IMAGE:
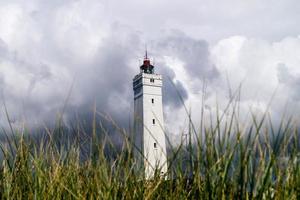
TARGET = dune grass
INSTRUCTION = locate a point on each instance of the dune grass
(223, 160)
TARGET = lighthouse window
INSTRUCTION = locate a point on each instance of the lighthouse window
(153, 121)
(154, 144)
(152, 100)
(152, 80)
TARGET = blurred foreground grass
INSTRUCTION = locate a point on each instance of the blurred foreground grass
(224, 161)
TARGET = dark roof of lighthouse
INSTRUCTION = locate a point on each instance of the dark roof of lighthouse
(147, 67)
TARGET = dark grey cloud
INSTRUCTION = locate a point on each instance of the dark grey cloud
(192, 52)
(107, 80)
(173, 89)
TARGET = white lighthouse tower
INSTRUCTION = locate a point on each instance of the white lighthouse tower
(149, 122)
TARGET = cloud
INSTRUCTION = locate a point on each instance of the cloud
(93, 48)
(291, 81)
(39, 70)
(263, 68)
(213, 20)
(173, 90)
(193, 53)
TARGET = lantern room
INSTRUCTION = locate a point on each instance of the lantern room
(147, 67)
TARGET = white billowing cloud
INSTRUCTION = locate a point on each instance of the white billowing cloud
(263, 68)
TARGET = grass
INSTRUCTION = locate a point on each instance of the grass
(224, 160)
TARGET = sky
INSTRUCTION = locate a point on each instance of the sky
(66, 56)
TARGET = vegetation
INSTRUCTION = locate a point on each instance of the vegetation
(225, 160)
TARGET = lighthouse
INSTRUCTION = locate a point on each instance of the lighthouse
(149, 136)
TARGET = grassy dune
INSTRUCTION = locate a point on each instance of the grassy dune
(226, 162)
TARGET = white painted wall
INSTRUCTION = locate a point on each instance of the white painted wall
(149, 137)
